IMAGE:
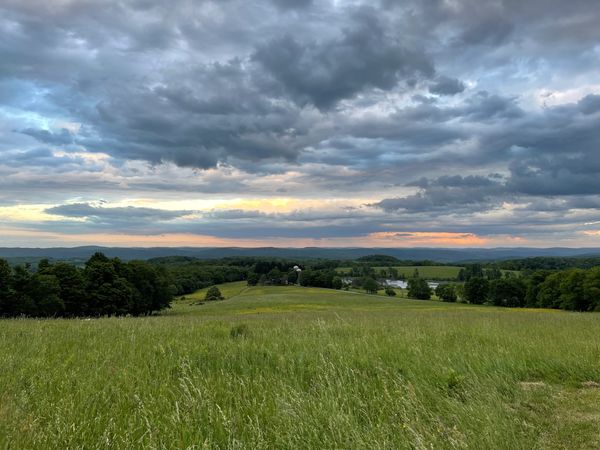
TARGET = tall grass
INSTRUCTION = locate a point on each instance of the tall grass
(286, 367)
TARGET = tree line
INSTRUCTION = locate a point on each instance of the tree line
(550, 263)
(188, 274)
(106, 286)
(282, 275)
(572, 289)
(103, 287)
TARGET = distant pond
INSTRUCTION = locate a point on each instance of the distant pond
(400, 284)
(403, 284)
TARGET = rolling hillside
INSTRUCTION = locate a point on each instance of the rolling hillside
(289, 367)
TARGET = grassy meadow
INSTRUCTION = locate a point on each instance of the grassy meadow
(290, 367)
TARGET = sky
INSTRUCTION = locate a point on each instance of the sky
(292, 123)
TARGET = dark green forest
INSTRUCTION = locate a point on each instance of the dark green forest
(103, 287)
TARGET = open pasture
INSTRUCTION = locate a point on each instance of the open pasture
(290, 367)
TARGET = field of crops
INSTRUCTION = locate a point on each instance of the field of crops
(290, 367)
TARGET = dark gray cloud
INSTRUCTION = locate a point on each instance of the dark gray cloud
(234, 223)
(228, 98)
(364, 56)
(450, 194)
(447, 86)
(292, 4)
(485, 106)
(41, 157)
(457, 181)
(590, 104)
(127, 214)
(63, 137)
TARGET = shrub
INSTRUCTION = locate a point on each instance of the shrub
(337, 283)
(370, 285)
(213, 293)
(455, 384)
(390, 292)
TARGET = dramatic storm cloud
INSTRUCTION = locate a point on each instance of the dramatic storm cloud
(299, 122)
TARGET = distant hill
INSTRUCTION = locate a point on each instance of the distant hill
(443, 255)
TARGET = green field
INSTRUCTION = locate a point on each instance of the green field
(290, 367)
(228, 290)
(428, 272)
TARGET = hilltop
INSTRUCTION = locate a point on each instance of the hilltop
(443, 255)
